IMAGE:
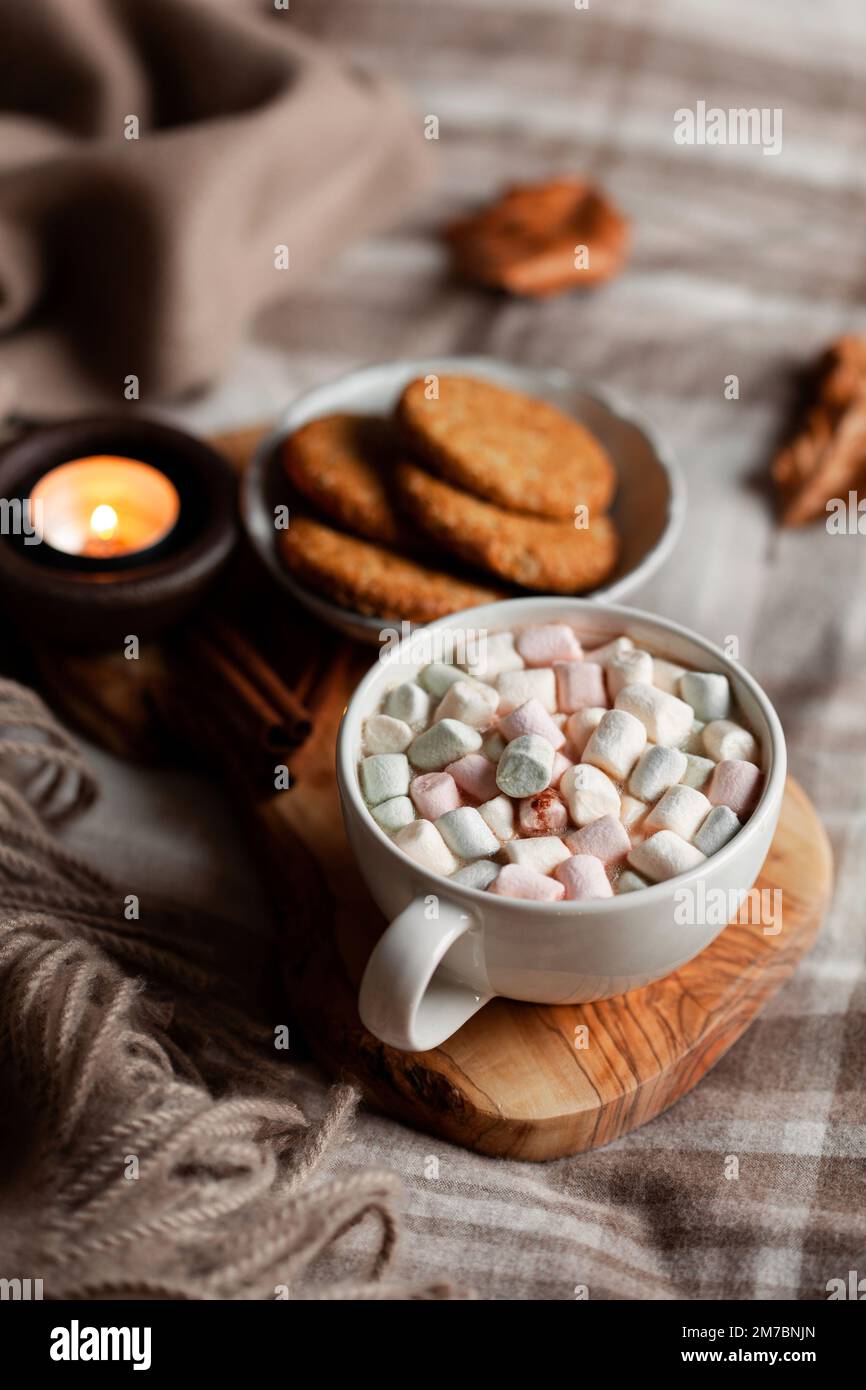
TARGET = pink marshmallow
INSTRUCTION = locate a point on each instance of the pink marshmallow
(736, 784)
(514, 882)
(606, 838)
(548, 642)
(583, 876)
(531, 718)
(579, 684)
(542, 814)
(475, 775)
(434, 793)
(561, 764)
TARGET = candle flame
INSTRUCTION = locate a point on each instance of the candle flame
(103, 521)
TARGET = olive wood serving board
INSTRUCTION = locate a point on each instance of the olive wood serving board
(515, 1080)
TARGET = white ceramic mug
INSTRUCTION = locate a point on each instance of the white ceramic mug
(450, 949)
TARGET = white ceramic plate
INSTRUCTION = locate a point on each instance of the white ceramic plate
(649, 507)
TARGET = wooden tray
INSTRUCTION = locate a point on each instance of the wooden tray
(512, 1081)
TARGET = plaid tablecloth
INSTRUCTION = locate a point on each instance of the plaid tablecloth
(743, 264)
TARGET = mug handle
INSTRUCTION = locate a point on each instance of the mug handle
(404, 999)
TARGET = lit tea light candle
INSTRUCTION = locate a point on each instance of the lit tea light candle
(104, 507)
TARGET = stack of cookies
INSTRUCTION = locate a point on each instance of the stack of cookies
(471, 493)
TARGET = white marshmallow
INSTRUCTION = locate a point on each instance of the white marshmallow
(667, 675)
(629, 882)
(443, 743)
(470, 702)
(628, 668)
(493, 746)
(720, 826)
(526, 766)
(698, 771)
(478, 875)
(681, 809)
(495, 654)
(589, 792)
(516, 687)
(667, 720)
(499, 815)
(541, 853)
(581, 724)
(724, 740)
(615, 648)
(423, 843)
(466, 834)
(656, 769)
(384, 775)
(393, 814)
(384, 734)
(708, 693)
(616, 744)
(664, 856)
(409, 703)
(694, 739)
(437, 677)
(631, 813)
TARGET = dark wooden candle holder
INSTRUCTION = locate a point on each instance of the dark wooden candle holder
(82, 602)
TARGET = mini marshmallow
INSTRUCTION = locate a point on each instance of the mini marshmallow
(698, 771)
(581, 724)
(664, 856)
(736, 783)
(437, 677)
(515, 881)
(630, 882)
(611, 650)
(616, 744)
(708, 694)
(393, 814)
(724, 740)
(583, 876)
(475, 775)
(434, 793)
(493, 746)
(478, 875)
(656, 769)
(443, 743)
(631, 812)
(606, 839)
(561, 764)
(546, 643)
(423, 843)
(589, 793)
(541, 854)
(516, 687)
(579, 685)
(469, 701)
(666, 718)
(384, 775)
(542, 814)
(409, 703)
(384, 734)
(667, 675)
(634, 667)
(467, 834)
(525, 766)
(720, 826)
(681, 809)
(531, 718)
(694, 739)
(496, 654)
(499, 815)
